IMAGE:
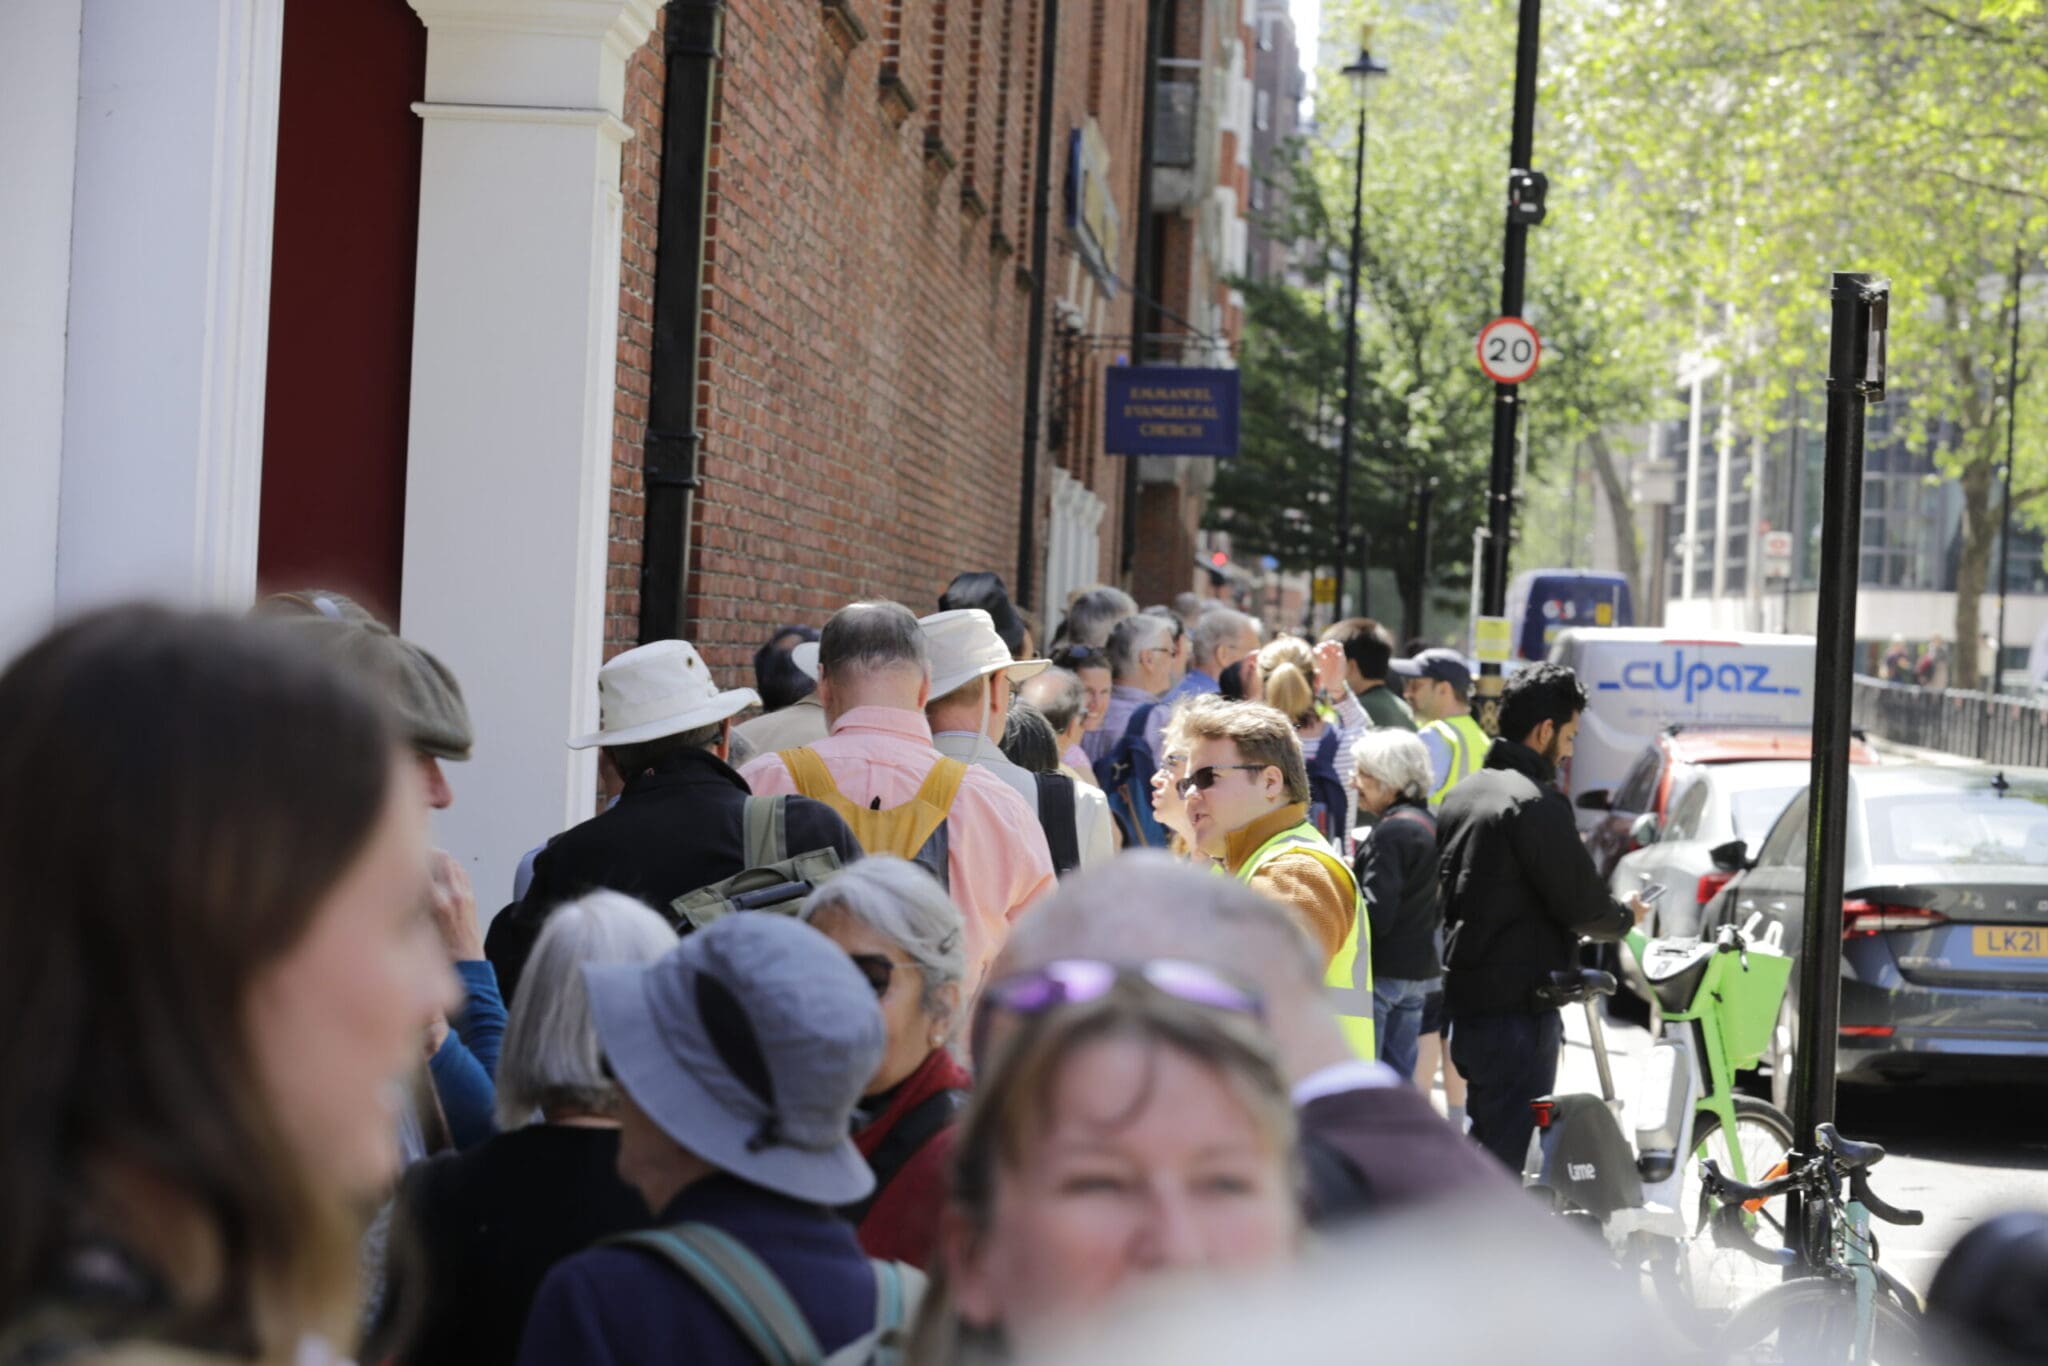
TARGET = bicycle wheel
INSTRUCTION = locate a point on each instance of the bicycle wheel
(1803, 1322)
(1717, 1278)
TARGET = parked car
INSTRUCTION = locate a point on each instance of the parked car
(1944, 922)
(1668, 768)
(1709, 804)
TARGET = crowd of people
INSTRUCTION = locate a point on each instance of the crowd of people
(941, 1005)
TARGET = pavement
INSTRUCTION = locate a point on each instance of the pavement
(1958, 1153)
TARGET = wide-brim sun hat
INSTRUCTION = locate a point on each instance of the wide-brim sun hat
(662, 688)
(752, 993)
(964, 646)
(804, 655)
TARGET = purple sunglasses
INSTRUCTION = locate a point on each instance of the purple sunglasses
(1076, 981)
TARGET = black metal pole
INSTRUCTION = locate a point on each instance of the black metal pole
(1425, 500)
(1795, 515)
(669, 450)
(1145, 322)
(1034, 344)
(1500, 507)
(1855, 376)
(1343, 557)
(2012, 408)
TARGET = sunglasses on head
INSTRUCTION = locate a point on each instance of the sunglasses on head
(1204, 778)
(1077, 981)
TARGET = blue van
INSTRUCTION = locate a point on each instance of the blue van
(1542, 602)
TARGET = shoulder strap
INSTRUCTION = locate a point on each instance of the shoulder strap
(737, 1281)
(1056, 815)
(901, 1143)
(1414, 815)
(1136, 728)
(813, 779)
(1327, 743)
(767, 832)
(942, 784)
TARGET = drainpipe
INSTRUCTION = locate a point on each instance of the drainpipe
(1034, 364)
(692, 39)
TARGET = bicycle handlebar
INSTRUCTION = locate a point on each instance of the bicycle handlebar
(1733, 1192)
(1859, 1188)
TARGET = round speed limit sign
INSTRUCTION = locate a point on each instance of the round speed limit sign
(1509, 350)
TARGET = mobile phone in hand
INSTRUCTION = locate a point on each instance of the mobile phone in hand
(1651, 893)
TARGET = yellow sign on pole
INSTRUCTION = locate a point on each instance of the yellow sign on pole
(1326, 588)
(1492, 641)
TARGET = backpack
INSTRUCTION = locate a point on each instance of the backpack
(915, 830)
(758, 1304)
(901, 1143)
(1056, 814)
(1328, 807)
(773, 879)
(1125, 775)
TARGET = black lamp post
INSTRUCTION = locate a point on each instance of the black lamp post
(1358, 73)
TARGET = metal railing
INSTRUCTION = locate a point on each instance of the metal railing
(1176, 111)
(1996, 729)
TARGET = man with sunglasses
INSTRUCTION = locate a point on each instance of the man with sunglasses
(1247, 798)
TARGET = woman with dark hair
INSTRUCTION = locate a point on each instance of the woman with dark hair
(214, 861)
(979, 588)
(1029, 741)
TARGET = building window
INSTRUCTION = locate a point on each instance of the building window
(1264, 117)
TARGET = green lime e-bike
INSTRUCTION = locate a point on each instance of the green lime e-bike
(1634, 1169)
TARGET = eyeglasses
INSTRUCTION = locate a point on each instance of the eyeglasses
(1077, 981)
(1204, 778)
(878, 968)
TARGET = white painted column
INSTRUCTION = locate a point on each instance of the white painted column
(1689, 550)
(39, 116)
(1724, 461)
(515, 341)
(169, 310)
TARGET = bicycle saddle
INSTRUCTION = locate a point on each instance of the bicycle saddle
(1581, 984)
(1852, 1153)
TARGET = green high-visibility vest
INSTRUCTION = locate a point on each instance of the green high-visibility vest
(1468, 745)
(1348, 980)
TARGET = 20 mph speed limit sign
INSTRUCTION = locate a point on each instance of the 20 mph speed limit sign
(1509, 350)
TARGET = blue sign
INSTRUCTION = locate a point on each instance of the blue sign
(1170, 410)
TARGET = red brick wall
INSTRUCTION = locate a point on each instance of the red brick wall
(640, 187)
(864, 337)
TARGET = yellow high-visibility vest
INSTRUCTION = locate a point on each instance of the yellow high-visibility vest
(1468, 743)
(1348, 980)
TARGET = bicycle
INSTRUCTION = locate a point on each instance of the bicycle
(1845, 1307)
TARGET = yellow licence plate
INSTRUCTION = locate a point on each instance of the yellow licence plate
(2009, 941)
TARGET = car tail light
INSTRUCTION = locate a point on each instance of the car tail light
(1711, 884)
(1876, 917)
(1867, 1031)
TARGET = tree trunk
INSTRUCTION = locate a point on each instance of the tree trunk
(1623, 513)
(1980, 534)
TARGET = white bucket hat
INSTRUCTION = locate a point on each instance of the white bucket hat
(964, 646)
(659, 689)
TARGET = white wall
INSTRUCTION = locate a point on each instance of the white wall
(1880, 613)
(38, 134)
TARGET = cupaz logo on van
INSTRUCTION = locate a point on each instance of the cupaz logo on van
(1674, 674)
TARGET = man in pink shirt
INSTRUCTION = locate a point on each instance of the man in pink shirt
(874, 678)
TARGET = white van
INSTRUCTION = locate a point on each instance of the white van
(1640, 679)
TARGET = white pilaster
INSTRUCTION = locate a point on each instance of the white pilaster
(39, 116)
(515, 339)
(170, 300)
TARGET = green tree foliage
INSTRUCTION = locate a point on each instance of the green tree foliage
(1435, 196)
(1762, 146)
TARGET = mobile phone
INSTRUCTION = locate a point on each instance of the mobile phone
(1651, 893)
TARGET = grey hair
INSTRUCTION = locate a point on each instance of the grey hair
(1059, 695)
(906, 906)
(1395, 757)
(870, 636)
(1147, 904)
(550, 1054)
(1093, 614)
(1212, 629)
(1133, 636)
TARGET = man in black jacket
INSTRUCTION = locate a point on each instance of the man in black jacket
(679, 823)
(1520, 891)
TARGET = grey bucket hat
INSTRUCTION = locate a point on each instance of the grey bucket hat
(749, 1044)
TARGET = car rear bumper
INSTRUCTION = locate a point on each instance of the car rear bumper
(1942, 1032)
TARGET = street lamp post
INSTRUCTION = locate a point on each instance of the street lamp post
(1358, 73)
